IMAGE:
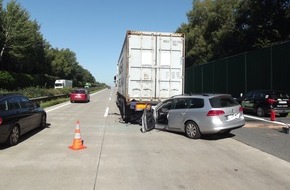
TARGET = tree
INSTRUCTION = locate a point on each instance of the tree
(220, 28)
(211, 25)
(64, 65)
(22, 46)
(62, 62)
(262, 22)
(2, 41)
(35, 52)
(23, 50)
(88, 77)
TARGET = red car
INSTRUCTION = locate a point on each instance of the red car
(80, 95)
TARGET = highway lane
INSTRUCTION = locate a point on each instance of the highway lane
(265, 135)
(119, 156)
(44, 161)
(278, 120)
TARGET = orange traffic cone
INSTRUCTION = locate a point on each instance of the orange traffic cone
(77, 142)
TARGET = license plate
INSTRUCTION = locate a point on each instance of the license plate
(282, 102)
(232, 117)
(282, 106)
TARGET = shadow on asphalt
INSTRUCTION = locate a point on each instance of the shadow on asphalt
(209, 137)
(214, 137)
(26, 136)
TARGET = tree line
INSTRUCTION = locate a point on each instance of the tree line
(27, 59)
(215, 29)
(222, 28)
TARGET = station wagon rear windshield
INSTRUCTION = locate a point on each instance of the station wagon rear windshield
(277, 95)
(223, 101)
(79, 91)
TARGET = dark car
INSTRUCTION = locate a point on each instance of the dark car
(261, 102)
(18, 115)
(80, 95)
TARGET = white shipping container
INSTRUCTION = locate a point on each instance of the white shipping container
(151, 66)
(150, 69)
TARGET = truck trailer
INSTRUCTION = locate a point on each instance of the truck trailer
(150, 69)
(63, 83)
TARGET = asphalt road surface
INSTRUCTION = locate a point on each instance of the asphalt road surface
(266, 136)
(119, 156)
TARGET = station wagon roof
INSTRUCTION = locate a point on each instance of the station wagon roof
(9, 94)
(209, 95)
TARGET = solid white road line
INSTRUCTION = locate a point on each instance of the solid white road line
(106, 112)
(261, 119)
(107, 109)
(58, 107)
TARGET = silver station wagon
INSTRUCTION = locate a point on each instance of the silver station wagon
(195, 115)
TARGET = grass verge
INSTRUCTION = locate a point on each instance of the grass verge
(53, 102)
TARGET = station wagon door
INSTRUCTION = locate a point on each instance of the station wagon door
(177, 114)
(148, 120)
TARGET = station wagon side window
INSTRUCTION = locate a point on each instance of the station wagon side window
(181, 103)
(3, 105)
(195, 103)
(255, 95)
(259, 95)
(26, 103)
(13, 103)
(167, 105)
(249, 95)
(262, 95)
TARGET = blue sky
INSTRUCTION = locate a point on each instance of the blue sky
(95, 30)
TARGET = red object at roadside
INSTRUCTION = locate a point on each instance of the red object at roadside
(273, 116)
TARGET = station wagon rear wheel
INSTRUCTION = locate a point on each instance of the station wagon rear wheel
(14, 136)
(192, 130)
(260, 112)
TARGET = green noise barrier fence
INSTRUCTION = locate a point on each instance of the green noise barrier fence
(266, 68)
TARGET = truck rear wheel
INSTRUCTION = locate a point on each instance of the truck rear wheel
(123, 112)
(126, 117)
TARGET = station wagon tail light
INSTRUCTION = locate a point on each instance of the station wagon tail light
(215, 112)
(1, 120)
(271, 101)
(241, 109)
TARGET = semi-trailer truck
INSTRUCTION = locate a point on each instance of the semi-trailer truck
(63, 83)
(150, 69)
